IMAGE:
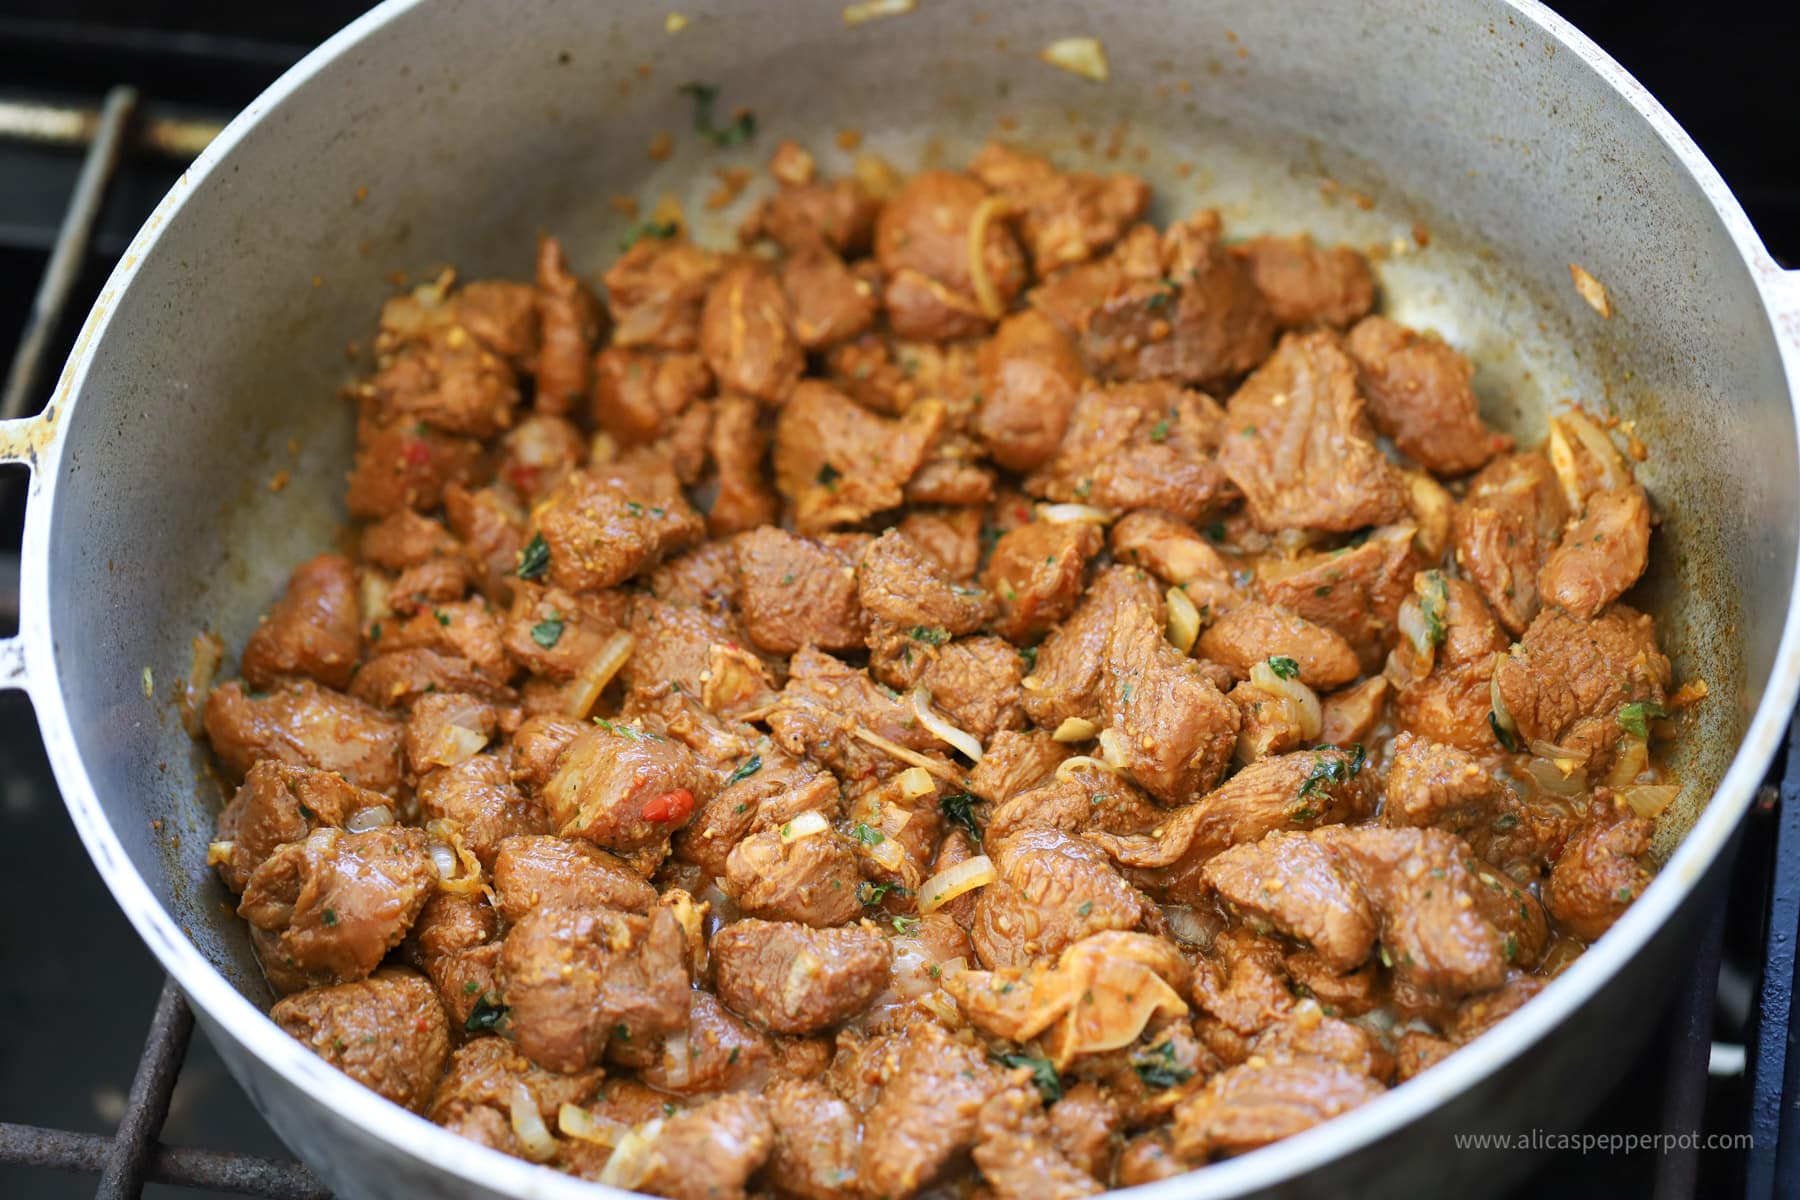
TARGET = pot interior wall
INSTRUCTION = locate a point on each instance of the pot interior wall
(449, 137)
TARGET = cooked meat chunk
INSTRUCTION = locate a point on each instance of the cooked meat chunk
(1139, 445)
(445, 380)
(1600, 555)
(1419, 395)
(1417, 1052)
(1015, 760)
(1051, 891)
(333, 905)
(405, 539)
(279, 803)
(573, 978)
(717, 1052)
(1147, 1158)
(1254, 633)
(816, 1137)
(926, 1115)
(1174, 552)
(453, 943)
(898, 582)
(640, 396)
(839, 213)
(624, 788)
(1253, 1104)
(655, 292)
(1035, 575)
(765, 790)
(492, 528)
(746, 334)
(532, 872)
(1306, 284)
(1504, 528)
(456, 629)
(480, 797)
(1285, 791)
(475, 1096)
(829, 301)
(709, 1152)
(1478, 1014)
(1030, 378)
(793, 978)
(1241, 980)
(745, 497)
(795, 591)
(922, 241)
(1350, 715)
(1445, 788)
(387, 1032)
(304, 726)
(1291, 882)
(1271, 723)
(1178, 306)
(837, 463)
(1355, 591)
(406, 465)
(827, 703)
(537, 452)
(1567, 680)
(398, 678)
(1017, 1153)
(572, 321)
(602, 529)
(975, 681)
(950, 536)
(1063, 217)
(1452, 702)
(1084, 1124)
(1600, 873)
(1450, 927)
(1299, 445)
(315, 629)
(810, 879)
(438, 581)
(555, 633)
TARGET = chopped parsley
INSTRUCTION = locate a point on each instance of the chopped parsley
(959, 809)
(330, 917)
(731, 1059)
(741, 129)
(1084, 908)
(1505, 821)
(622, 1032)
(485, 1017)
(548, 632)
(1512, 947)
(1167, 290)
(870, 894)
(1029, 655)
(1217, 531)
(745, 770)
(787, 580)
(1506, 740)
(471, 987)
(1283, 666)
(1043, 1074)
(1159, 432)
(829, 475)
(1433, 605)
(1159, 1070)
(1634, 718)
(443, 618)
(647, 229)
(1330, 769)
(868, 835)
(534, 559)
(905, 925)
(628, 731)
(931, 635)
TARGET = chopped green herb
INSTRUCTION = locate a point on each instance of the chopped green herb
(1512, 947)
(1322, 590)
(1159, 1070)
(634, 508)
(787, 829)
(1168, 289)
(375, 632)
(1248, 431)
(958, 809)
(867, 834)
(668, 1108)
(1434, 605)
(741, 129)
(731, 1059)
(622, 1032)
(1634, 718)
(647, 229)
(1329, 768)
(1029, 654)
(1159, 432)
(443, 618)
(931, 635)
(1217, 531)
(1625, 895)
(1084, 908)
(330, 917)
(740, 807)
(745, 770)
(471, 987)
(337, 1044)
(534, 559)
(547, 633)
(905, 925)
(628, 731)
(1506, 740)
(871, 894)
(307, 813)
(1505, 821)
(1043, 1074)
(486, 1016)
(1387, 960)
(1283, 666)
(829, 475)
(1125, 694)
(788, 579)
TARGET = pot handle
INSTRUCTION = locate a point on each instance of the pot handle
(21, 440)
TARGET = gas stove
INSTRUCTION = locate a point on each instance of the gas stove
(104, 102)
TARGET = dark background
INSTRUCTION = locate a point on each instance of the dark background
(76, 988)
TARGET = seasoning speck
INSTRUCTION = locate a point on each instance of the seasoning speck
(1083, 56)
(1592, 290)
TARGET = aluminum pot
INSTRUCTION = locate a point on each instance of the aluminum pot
(452, 130)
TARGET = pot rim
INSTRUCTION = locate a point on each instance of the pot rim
(222, 1004)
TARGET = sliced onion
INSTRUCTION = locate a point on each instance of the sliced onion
(1634, 756)
(676, 1058)
(1648, 800)
(373, 817)
(218, 853)
(630, 1160)
(942, 1007)
(584, 690)
(807, 824)
(1113, 749)
(1553, 779)
(1069, 766)
(373, 590)
(208, 650)
(961, 740)
(1193, 927)
(1300, 701)
(1497, 703)
(877, 175)
(453, 744)
(914, 782)
(985, 295)
(574, 1121)
(1075, 514)
(1412, 624)
(449, 856)
(1613, 470)
(870, 10)
(528, 1126)
(1183, 625)
(952, 882)
(1075, 729)
(1083, 56)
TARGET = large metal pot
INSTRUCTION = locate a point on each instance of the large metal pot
(453, 130)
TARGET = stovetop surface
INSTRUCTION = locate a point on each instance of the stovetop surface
(76, 985)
